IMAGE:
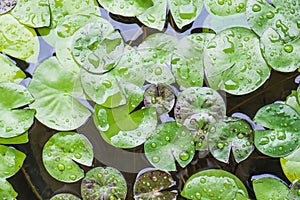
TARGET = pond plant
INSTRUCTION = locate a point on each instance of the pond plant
(166, 87)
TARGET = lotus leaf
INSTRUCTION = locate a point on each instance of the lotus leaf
(65, 196)
(9, 71)
(6, 190)
(226, 7)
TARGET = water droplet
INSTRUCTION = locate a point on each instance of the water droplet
(270, 15)
(99, 175)
(167, 138)
(78, 155)
(61, 167)
(151, 18)
(184, 156)
(202, 180)
(220, 145)
(198, 195)
(248, 143)
(240, 136)
(264, 141)
(8, 129)
(122, 6)
(107, 83)
(256, 8)
(154, 178)
(288, 48)
(155, 159)
(221, 2)
(158, 71)
(230, 85)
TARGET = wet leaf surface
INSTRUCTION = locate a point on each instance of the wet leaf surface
(103, 183)
(293, 100)
(6, 190)
(291, 165)
(61, 152)
(21, 139)
(9, 71)
(226, 7)
(65, 196)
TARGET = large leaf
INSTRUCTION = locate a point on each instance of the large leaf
(187, 60)
(226, 7)
(53, 87)
(7, 5)
(33, 13)
(153, 184)
(64, 196)
(103, 183)
(282, 16)
(231, 135)
(13, 121)
(171, 142)
(18, 40)
(11, 161)
(9, 71)
(233, 62)
(282, 136)
(61, 152)
(6, 190)
(214, 184)
(291, 165)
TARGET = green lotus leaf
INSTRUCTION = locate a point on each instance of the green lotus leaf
(7, 5)
(21, 139)
(187, 60)
(105, 183)
(233, 62)
(61, 152)
(282, 136)
(6, 190)
(65, 196)
(294, 190)
(33, 13)
(282, 16)
(18, 40)
(270, 188)
(9, 71)
(234, 135)
(160, 97)
(53, 86)
(152, 184)
(291, 165)
(13, 121)
(225, 7)
(199, 109)
(185, 12)
(97, 48)
(156, 51)
(130, 8)
(123, 128)
(171, 142)
(155, 16)
(293, 100)
(214, 184)
(11, 161)
(281, 56)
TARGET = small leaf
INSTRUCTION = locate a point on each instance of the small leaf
(11, 161)
(293, 100)
(214, 184)
(6, 190)
(61, 152)
(170, 142)
(103, 183)
(21, 139)
(291, 165)
(152, 184)
(7, 5)
(282, 136)
(9, 71)
(226, 7)
(64, 196)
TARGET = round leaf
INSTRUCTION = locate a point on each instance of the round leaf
(282, 136)
(282, 16)
(170, 142)
(13, 121)
(6, 190)
(53, 87)
(233, 135)
(11, 161)
(21, 139)
(213, 184)
(161, 97)
(295, 190)
(226, 7)
(291, 165)
(103, 183)
(187, 60)
(9, 71)
(97, 48)
(7, 5)
(233, 62)
(61, 152)
(65, 196)
(152, 184)
(18, 40)
(281, 56)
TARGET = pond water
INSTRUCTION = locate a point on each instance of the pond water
(33, 182)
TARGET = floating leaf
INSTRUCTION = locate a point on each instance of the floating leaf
(294, 190)
(53, 87)
(9, 71)
(226, 7)
(281, 56)
(233, 62)
(282, 136)
(185, 12)
(33, 13)
(65, 196)
(6, 190)
(21, 139)
(11, 161)
(18, 40)
(187, 60)
(13, 121)
(7, 5)
(61, 152)
(291, 165)
(160, 97)
(152, 184)
(231, 135)
(170, 142)
(103, 183)
(282, 16)
(214, 184)
(97, 48)
(293, 100)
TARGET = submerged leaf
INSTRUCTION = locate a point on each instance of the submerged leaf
(225, 7)
(9, 71)
(6, 190)
(64, 196)
(61, 152)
